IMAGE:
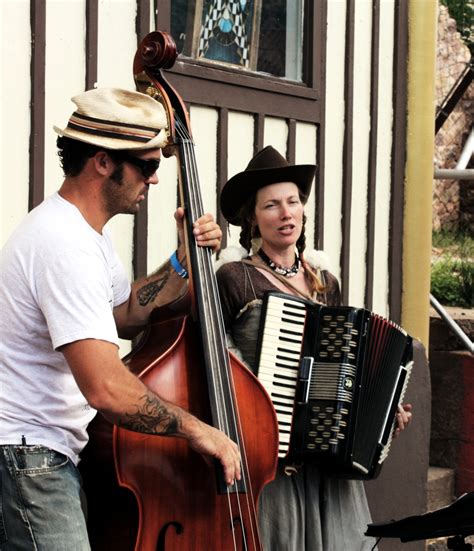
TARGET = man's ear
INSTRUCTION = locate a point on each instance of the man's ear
(103, 163)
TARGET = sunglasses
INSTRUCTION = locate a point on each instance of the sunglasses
(147, 167)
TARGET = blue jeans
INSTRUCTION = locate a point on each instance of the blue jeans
(40, 504)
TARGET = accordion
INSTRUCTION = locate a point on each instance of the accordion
(336, 376)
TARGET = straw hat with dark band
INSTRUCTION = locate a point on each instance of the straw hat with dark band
(267, 167)
(117, 119)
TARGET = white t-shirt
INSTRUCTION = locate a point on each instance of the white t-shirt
(59, 282)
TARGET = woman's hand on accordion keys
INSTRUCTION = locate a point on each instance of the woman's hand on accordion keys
(404, 416)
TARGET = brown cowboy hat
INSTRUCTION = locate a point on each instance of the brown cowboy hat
(267, 167)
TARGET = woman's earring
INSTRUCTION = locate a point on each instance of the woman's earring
(255, 239)
(256, 244)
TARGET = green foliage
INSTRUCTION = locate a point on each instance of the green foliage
(452, 272)
(452, 283)
(453, 241)
(463, 12)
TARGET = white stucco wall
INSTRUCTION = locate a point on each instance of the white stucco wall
(334, 95)
(361, 132)
(64, 76)
(384, 166)
(333, 163)
(15, 94)
(240, 151)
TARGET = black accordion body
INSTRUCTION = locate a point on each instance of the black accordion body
(336, 376)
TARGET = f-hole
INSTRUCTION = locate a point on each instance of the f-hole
(160, 544)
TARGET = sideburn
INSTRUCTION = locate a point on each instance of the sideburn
(117, 175)
(111, 192)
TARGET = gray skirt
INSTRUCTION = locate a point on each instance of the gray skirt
(310, 511)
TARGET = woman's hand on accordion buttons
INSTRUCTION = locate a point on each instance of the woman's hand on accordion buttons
(404, 416)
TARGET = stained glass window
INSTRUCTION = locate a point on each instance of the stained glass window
(258, 35)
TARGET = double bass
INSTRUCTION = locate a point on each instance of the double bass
(180, 502)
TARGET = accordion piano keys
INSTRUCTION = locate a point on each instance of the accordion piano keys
(280, 352)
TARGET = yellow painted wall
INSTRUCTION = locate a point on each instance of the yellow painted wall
(419, 168)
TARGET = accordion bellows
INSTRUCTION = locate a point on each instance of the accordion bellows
(336, 376)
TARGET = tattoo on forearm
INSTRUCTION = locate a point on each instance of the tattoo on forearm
(148, 292)
(152, 417)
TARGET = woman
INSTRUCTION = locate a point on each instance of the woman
(305, 510)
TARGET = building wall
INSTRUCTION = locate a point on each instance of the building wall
(346, 149)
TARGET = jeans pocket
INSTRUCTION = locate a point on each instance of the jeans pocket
(35, 460)
(3, 530)
(40, 500)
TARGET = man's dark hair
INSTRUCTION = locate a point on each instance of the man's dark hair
(74, 154)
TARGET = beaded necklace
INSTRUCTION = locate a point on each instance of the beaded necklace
(282, 270)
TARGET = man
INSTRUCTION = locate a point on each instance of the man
(65, 301)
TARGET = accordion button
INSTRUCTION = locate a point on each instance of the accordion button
(348, 383)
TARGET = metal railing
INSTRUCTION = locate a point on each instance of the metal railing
(466, 341)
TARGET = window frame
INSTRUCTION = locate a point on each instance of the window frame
(243, 90)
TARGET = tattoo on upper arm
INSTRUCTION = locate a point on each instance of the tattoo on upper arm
(147, 293)
(152, 417)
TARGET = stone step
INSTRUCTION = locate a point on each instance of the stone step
(441, 544)
(440, 487)
(440, 493)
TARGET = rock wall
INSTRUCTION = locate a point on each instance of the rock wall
(452, 200)
(452, 387)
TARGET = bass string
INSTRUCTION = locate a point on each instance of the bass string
(202, 275)
(210, 279)
(215, 322)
